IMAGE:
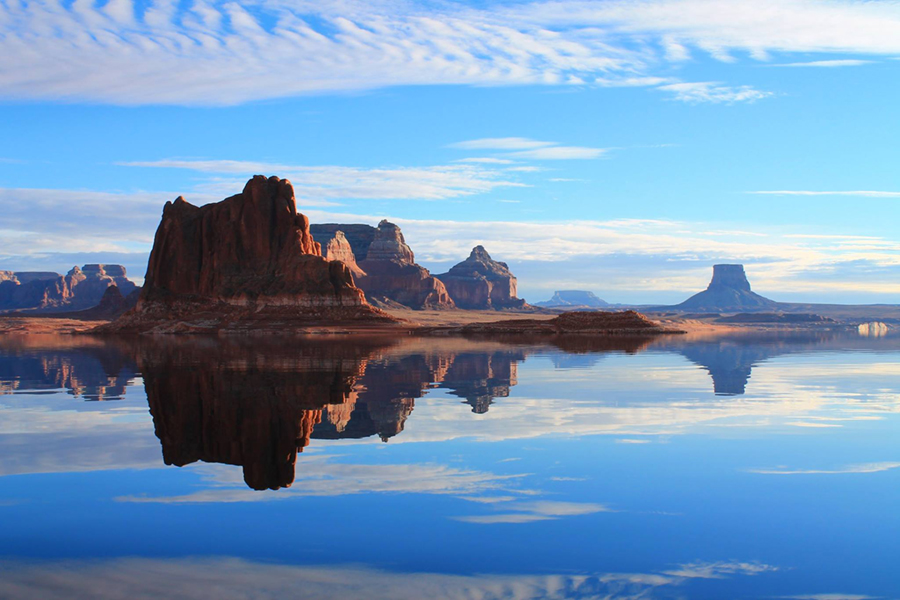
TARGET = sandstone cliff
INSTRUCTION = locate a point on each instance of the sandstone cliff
(338, 248)
(480, 282)
(247, 262)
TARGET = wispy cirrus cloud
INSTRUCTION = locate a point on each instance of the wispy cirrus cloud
(320, 185)
(848, 62)
(218, 53)
(713, 92)
(862, 193)
(876, 467)
(525, 148)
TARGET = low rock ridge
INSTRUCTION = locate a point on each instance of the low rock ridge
(479, 282)
(247, 262)
(626, 322)
(46, 291)
(572, 298)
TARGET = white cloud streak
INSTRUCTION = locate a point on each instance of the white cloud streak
(876, 467)
(212, 53)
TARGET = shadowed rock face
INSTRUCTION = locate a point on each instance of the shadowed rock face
(729, 290)
(480, 282)
(80, 289)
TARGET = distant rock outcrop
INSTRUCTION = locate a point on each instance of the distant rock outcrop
(479, 282)
(729, 291)
(338, 248)
(358, 236)
(392, 273)
(241, 263)
(388, 272)
(573, 298)
(42, 291)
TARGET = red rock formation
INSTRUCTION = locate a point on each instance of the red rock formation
(481, 283)
(247, 259)
(392, 275)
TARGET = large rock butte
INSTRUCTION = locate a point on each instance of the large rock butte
(81, 288)
(479, 282)
(389, 273)
(728, 291)
(241, 263)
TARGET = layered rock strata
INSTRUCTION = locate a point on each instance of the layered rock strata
(247, 262)
(479, 282)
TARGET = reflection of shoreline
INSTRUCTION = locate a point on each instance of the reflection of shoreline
(257, 405)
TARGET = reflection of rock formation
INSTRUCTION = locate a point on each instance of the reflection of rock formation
(245, 405)
(481, 377)
(91, 372)
(729, 360)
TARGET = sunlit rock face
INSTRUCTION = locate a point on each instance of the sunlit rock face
(729, 290)
(338, 248)
(479, 282)
(81, 288)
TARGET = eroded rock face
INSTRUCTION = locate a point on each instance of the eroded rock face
(479, 282)
(728, 291)
(359, 236)
(393, 275)
(250, 257)
(80, 289)
(338, 248)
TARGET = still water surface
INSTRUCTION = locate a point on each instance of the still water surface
(751, 466)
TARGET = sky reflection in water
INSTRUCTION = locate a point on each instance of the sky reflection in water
(751, 466)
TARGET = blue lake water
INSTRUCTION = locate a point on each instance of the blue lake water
(750, 466)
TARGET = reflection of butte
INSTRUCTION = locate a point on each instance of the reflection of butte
(253, 407)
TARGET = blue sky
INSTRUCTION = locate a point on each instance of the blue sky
(620, 147)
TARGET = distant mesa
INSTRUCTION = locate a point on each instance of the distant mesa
(626, 322)
(479, 282)
(386, 267)
(572, 299)
(729, 291)
(247, 262)
(47, 292)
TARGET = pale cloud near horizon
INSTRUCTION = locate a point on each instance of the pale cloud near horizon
(525, 148)
(827, 63)
(212, 53)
